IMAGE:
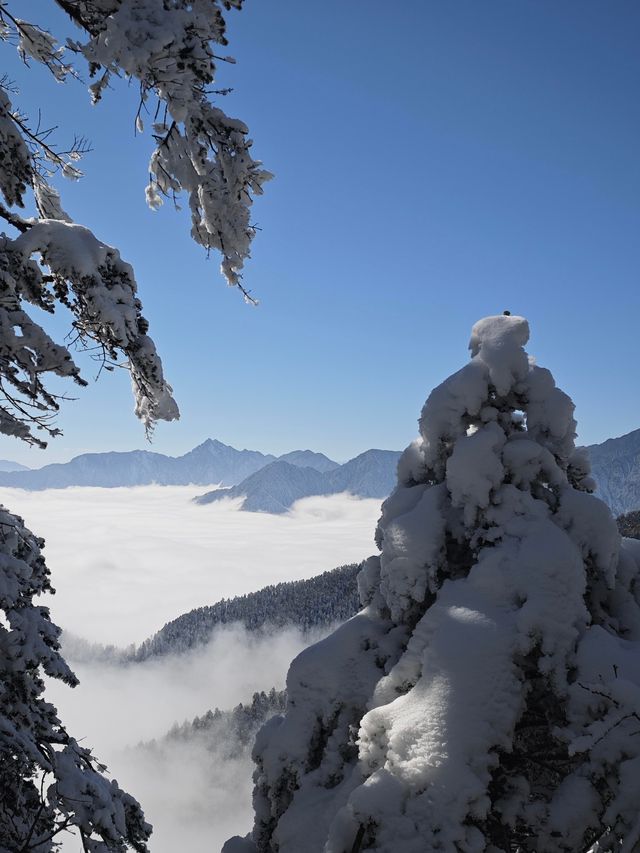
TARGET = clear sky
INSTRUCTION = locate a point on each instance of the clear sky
(435, 162)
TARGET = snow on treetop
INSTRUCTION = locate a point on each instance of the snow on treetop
(498, 342)
(499, 377)
(499, 332)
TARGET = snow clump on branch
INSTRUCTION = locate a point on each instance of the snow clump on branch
(487, 697)
(167, 49)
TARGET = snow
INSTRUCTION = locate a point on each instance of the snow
(412, 547)
(498, 343)
(501, 621)
(71, 249)
(475, 469)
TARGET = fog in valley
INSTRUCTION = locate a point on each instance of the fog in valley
(124, 562)
(195, 798)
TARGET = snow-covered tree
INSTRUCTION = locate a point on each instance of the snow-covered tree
(48, 782)
(487, 697)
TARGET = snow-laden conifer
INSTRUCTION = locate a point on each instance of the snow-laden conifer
(48, 781)
(487, 697)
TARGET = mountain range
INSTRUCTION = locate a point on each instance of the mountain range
(209, 463)
(267, 483)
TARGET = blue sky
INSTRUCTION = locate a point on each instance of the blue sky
(435, 162)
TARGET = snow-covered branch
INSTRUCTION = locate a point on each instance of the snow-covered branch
(167, 48)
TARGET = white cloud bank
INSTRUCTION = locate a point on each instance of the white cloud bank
(125, 561)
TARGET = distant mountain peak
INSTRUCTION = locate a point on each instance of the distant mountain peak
(211, 443)
(309, 459)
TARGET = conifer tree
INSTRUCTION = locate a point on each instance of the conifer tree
(487, 697)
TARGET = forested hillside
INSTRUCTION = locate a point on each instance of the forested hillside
(327, 598)
(227, 733)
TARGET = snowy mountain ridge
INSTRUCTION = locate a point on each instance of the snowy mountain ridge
(276, 487)
(615, 465)
(7, 465)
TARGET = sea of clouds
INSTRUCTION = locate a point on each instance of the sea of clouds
(124, 562)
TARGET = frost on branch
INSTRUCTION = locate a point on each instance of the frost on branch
(48, 782)
(487, 697)
(167, 48)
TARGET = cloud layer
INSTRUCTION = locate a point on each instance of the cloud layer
(126, 561)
